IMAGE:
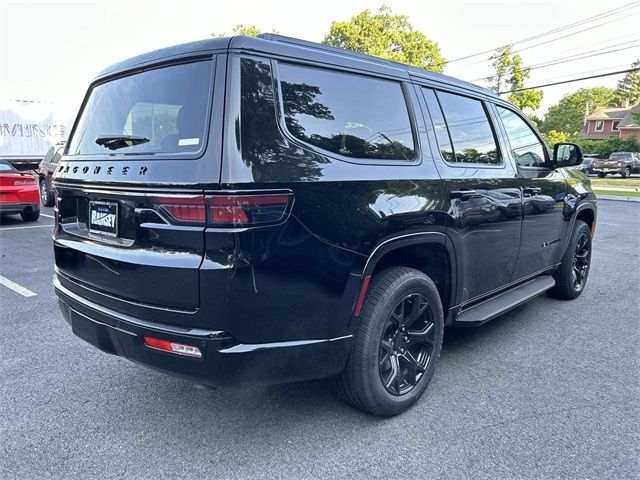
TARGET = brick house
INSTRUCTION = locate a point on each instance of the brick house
(616, 121)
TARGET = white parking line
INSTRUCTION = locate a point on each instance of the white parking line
(2, 229)
(25, 292)
(47, 215)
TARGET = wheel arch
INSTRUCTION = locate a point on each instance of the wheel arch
(588, 215)
(429, 252)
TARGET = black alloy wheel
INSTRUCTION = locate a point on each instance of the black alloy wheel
(581, 260)
(396, 343)
(572, 273)
(406, 345)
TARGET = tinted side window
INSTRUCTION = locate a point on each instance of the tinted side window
(526, 148)
(352, 115)
(259, 130)
(439, 125)
(469, 128)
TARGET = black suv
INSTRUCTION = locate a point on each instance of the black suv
(271, 210)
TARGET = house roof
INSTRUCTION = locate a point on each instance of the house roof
(628, 121)
(615, 113)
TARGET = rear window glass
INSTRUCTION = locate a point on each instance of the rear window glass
(619, 156)
(157, 111)
(352, 115)
(6, 168)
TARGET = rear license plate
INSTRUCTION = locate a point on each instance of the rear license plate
(103, 218)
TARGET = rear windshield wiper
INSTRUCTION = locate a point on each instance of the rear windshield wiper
(114, 142)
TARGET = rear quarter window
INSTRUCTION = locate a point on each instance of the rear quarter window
(351, 115)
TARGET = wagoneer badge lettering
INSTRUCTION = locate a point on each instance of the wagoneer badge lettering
(98, 168)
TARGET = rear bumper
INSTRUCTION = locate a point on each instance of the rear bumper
(607, 169)
(224, 362)
(13, 208)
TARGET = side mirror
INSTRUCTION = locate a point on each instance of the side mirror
(566, 155)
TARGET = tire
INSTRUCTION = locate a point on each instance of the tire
(601, 174)
(46, 196)
(30, 216)
(397, 296)
(626, 172)
(572, 274)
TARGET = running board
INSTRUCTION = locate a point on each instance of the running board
(485, 311)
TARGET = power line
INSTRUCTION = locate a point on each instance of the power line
(587, 54)
(550, 41)
(573, 80)
(572, 58)
(603, 69)
(604, 42)
(555, 30)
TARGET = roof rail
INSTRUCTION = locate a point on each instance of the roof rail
(329, 48)
(372, 58)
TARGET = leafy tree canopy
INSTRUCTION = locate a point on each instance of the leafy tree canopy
(554, 137)
(386, 35)
(568, 114)
(247, 30)
(628, 89)
(511, 75)
(604, 148)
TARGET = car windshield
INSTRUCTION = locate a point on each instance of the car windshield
(162, 110)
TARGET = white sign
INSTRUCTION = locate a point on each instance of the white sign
(28, 129)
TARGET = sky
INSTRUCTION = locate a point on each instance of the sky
(50, 50)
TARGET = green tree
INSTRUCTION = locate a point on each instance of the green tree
(568, 114)
(511, 75)
(554, 137)
(628, 89)
(247, 30)
(536, 120)
(386, 35)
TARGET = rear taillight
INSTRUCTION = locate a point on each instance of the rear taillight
(247, 210)
(191, 209)
(229, 210)
(172, 347)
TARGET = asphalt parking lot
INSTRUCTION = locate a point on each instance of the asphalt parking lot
(550, 390)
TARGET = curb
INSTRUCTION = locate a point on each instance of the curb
(617, 198)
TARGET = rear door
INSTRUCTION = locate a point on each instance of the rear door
(545, 191)
(130, 210)
(481, 188)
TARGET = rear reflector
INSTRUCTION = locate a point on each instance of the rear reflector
(172, 347)
(361, 296)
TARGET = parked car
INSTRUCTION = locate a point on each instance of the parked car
(18, 193)
(45, 173)
(621, 163)
(587, 164)
(265, 210)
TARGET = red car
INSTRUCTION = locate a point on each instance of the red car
(19, 193)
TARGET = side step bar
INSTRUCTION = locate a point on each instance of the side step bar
(488, 309)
